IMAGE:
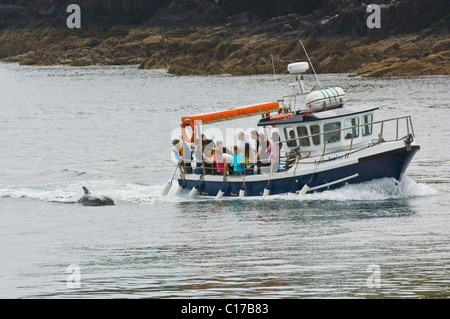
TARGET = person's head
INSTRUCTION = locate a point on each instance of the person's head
(291, 134)
(241, 136)
(175, 142)
(261, 137)
(275, 137)
(254, 134)
(236, 149)
(219, 144)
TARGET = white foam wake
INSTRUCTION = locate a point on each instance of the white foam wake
(379, 189)
(70, 192)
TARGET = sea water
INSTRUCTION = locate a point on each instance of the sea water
(110, 129)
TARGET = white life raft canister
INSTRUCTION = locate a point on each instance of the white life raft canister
(327, 99)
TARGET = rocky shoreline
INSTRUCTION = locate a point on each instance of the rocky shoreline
(393, 56)
(203, 52)
(238, 47)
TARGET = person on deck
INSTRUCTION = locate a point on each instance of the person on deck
(207, 154)
(241, 141)
(197, 157)
(238, 162)
(182, 154)
(261, 157)
(274, 150)
(219, 158)
(248, 164)
(293, 142)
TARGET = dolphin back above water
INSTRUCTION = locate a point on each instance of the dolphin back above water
(89, 199)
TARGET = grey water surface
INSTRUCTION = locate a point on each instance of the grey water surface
(110, 129)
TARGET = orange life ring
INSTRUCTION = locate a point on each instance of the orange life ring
(183, 131)
(281, 116)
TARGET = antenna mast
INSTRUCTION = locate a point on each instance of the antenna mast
(307, 56)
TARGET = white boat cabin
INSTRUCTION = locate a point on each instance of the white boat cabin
(303, 131)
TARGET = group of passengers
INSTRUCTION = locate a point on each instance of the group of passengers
(208, 157)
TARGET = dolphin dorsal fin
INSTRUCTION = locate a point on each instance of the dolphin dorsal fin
(86, 191)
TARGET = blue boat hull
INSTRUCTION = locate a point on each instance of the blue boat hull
(389, 164)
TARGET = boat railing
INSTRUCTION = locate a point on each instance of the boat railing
(211, 169)
(354, 128)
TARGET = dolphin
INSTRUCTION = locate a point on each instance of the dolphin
(89, 199)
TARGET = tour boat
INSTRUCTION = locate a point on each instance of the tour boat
(324, 144)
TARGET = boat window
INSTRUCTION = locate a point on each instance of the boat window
(333, 136)
(290, 134)
(303, 131)
(315, 129)
(349, 123)
(367, 129)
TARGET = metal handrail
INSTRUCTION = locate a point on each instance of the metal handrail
(409, 128)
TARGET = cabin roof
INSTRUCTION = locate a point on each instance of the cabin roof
(318, 116)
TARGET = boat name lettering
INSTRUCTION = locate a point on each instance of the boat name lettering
(331, 158)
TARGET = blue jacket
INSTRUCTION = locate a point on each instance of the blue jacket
(238, 162)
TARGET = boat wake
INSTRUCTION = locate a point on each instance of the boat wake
(70, 192)
(133, 193)
(375, 190)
